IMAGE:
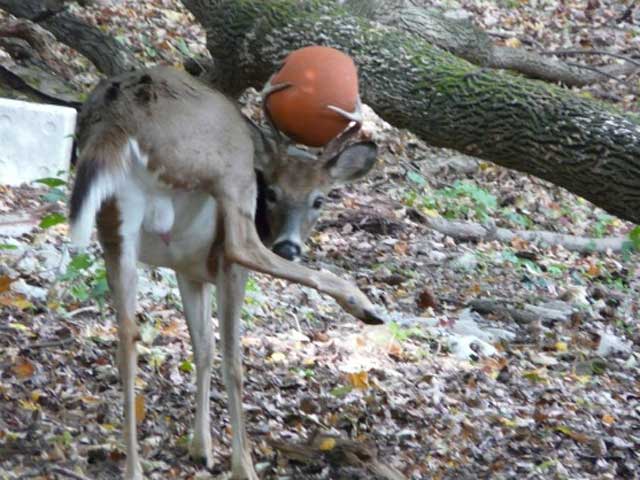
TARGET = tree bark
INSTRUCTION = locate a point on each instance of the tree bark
(530, 126)
(464, 39)
(109, 56)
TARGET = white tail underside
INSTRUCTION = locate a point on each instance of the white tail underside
(106, 184)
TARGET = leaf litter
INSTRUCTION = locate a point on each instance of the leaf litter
(441, 392)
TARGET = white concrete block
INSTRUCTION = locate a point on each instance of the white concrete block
(35, 140)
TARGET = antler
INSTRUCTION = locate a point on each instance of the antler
(356, 119)
(268, 90)
(334, 145)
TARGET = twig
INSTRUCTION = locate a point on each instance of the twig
(49, 343)
(593, 69)
(568, 53)
(341, 452)
(628, 13)
(508, 35)
(27, 217)
(502, 308)
(67, 473)
(78, 311)
(471, 231)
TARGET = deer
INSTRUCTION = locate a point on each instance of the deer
(174, 175)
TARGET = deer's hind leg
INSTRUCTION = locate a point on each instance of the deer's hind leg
(230, 289)
(196, 303)
(119, 241)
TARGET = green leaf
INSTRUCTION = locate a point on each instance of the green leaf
(81, 261)
(182, 46)
(52, 219)
(416, 178)
(634, 236)
(341, 391)
(8, 246)
(187, 366)
(54, 195)
(598, 366)
(51, 181)
(80, 292)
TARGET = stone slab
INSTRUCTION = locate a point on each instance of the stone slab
(35, 140)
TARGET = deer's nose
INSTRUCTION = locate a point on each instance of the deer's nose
(287, 249)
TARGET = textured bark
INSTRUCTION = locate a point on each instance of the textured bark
(109, 56)
(9, 78)
(464, 39)
(518, 123)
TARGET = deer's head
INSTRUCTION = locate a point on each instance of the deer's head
(293, 182)
(293, 185)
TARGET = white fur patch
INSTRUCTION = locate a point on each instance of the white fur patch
(158, 214)
(144, 201)
(103, 187)
(106, 184)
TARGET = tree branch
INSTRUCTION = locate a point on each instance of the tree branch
(108, 55)
(466, 40)
(470, 231)
(14, 81)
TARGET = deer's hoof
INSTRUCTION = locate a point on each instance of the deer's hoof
(373, 317)
(245, 474)
(200, 452)
(242, 468)
(133, 472)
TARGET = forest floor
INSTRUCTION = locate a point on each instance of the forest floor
(504, 360)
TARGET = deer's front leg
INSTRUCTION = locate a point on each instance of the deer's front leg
(243, 246)
(196, 303)
(230, 285)
(122, 277)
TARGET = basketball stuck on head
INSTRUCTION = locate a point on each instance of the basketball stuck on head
(314, 96)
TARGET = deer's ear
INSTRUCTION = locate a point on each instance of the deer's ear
(264, 145)
(353, 162)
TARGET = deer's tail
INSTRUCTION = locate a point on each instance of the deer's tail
(102, 168)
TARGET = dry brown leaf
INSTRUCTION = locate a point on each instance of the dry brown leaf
(513, 43)
(23, 368)
(18, 301)
(593, 270)
(519, 244)
(395, 349)
(141, 411)
(426, 299)
(359, 380)
(401, 248)
(327, 444)
(5, 282)
(172, 329)
(608, 420)
(349, 203)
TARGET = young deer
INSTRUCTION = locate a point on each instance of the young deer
(167, 167)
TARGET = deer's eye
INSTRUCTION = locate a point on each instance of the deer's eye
(271, 195)
(318, 203)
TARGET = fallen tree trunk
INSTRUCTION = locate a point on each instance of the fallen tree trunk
(464, 39)
(102, 50)
(581, 145)
(570, 141)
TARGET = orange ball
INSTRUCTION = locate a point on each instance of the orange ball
(319, 76)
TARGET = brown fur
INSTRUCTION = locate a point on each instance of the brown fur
(168, 138)
(195, 139)
(108, 222)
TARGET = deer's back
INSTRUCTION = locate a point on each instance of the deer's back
(173, 117)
